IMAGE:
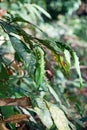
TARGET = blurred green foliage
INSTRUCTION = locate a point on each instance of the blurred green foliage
(46, 61)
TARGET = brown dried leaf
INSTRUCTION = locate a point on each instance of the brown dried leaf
(24, 102)
(16, 118)
(3, 127)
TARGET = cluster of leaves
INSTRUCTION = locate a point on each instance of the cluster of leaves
(25, 91)
(58, 7)
(29, 79)
(30, 10)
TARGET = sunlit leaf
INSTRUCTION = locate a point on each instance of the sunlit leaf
(43, 113)
(28, 113)
(59, 117)
(33, 11)
(77, 66)
(67, 56)
(42, 10)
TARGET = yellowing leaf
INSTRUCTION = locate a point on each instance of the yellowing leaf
(59, 117)
(45, 116)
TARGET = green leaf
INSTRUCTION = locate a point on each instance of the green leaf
(15, 29)
(59, 117)
(33, 11)
(67, 56)
(54, 46)
(72, 126)
(0, 66)
(20, 47)
(78, 108)
(25, 54)
(7, 111)
(52, 91)
(25, 111)
(3, 72)
(43, 113)
(7, 27)
(40, 66)
(21, 19)
(76, 64)
(30, 84)
(50, 44)
(42, 10)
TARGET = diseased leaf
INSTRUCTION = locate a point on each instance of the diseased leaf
(45, 117)
(59, 117)
(54, 46)
(57, 47)
(43, 113)
(33, 57)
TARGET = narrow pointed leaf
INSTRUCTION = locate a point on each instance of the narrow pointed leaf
(77, 66)
(40, 70)
(42, 10)
(67, 56)
(54, 94)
